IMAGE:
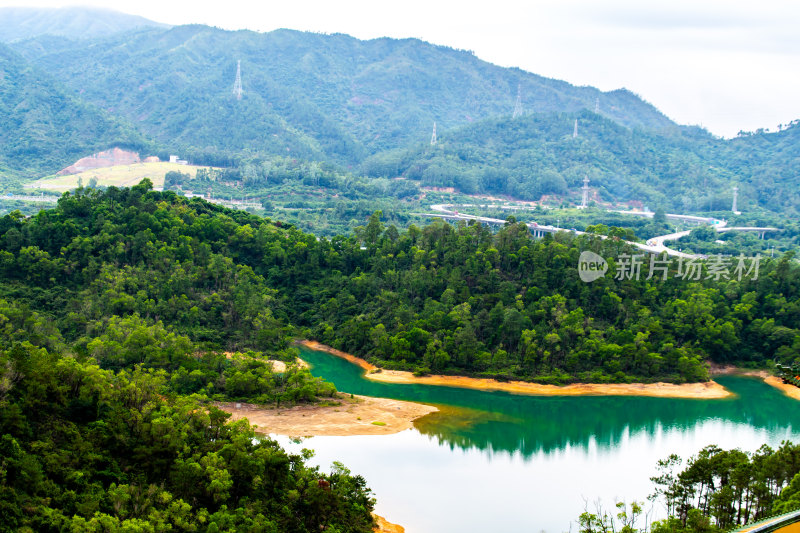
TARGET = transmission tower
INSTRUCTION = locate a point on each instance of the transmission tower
(575, 131)
(433, 137)
(518, 105)
(597, 104)
(585, 191)
(237, 85)
(734, 207)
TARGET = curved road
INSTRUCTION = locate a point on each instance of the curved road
(654, 245)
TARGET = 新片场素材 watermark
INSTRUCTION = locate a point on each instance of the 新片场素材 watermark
(592, 266)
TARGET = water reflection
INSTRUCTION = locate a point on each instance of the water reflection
(530, 425)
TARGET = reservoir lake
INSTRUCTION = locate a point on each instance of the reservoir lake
(501, 462)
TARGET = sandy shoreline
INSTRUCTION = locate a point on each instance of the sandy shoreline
(774, 381)
(787, 388)
(707, 390)
(360, 415)
(318, 346)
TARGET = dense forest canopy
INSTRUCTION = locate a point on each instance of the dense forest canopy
(89, 449)
(443, 298)
(111, 360)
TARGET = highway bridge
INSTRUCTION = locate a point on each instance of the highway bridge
(654, 245)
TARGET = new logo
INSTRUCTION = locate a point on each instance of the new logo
(591, 266)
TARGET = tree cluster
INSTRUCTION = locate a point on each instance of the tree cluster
(89, 449)
(716, 491)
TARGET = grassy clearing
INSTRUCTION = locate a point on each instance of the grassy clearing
(118, 176)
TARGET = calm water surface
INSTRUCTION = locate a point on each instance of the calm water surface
(494, 461)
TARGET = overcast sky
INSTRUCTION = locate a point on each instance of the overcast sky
(726, 65)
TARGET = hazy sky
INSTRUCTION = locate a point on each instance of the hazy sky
(728, 65)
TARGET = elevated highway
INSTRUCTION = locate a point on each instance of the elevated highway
(538, 230)
(655, 245)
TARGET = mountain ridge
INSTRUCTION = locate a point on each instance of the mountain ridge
(366, 95)
(368, 106)
(18, 23)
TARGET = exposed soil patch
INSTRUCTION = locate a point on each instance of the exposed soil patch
(359, 415)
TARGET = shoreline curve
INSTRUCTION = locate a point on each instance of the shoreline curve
(706, 391)
(773, 381)
(788, 389)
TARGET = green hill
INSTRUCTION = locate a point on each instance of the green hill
(310, 95)
(684, 169)
(452, 299)
(44, 128)
(769, 163)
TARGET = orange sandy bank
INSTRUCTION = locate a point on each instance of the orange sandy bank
(384, 526)
(707, 390)
(359, 415)
(314, 345)
(787, 388)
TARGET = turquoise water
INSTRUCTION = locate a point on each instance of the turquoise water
(494, 461)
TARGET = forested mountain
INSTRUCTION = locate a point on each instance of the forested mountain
(309, 93)
(367, 107)
(44, 127)
(463, 300)
(770, 164)
(17, 23)
(684, 169)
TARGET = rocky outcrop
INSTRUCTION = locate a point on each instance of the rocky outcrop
(108, 158)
